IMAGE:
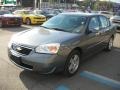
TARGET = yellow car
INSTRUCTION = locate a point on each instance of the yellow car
(29, 17)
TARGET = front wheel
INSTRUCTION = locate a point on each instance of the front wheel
(28, 21)
(110, 44)
(72, 63)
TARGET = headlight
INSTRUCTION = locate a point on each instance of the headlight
(48, 48)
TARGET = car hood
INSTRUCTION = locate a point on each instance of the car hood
(37, 36)
(11, 15)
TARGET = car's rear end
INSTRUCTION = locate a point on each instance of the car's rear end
(11, 21)
(8, 19)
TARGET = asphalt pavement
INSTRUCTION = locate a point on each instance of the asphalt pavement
(99, 72)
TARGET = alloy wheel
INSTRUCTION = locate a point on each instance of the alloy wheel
(74, 63)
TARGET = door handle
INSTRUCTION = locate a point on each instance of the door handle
(98, 33)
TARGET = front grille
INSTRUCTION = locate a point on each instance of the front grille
(21, 49)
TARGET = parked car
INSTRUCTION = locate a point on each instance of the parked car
(61, 43)
(41, 12)
(106, 13)
(116, 19)
(29, 17)
(48, 12)
(8, 19)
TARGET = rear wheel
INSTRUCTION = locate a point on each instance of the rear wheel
(28, 21)
(110, 44)
(72, 64)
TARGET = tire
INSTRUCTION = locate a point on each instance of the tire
(28, 21)
(72, 64)
(110, 44)
(1, 25)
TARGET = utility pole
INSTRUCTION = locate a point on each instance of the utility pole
(40, 4)
(109, 5)
(35, 6)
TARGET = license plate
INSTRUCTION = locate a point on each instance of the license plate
(16, 59)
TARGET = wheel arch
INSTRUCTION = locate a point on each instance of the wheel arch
(78, 49)
(112, 36)
(27, 18)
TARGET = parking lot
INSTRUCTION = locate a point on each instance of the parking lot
(99, 72)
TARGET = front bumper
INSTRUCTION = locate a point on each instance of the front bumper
(38, 21)
(44, 63)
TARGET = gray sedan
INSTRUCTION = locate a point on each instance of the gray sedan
(61, 43)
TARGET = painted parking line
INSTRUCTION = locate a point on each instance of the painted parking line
(62, 87)
(101, 79)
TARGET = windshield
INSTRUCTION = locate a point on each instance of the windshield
(67, 23)
(5, 12)
(27, 12)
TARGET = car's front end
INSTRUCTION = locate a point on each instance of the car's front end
(33, 50)
(27, 58)
(37, 19)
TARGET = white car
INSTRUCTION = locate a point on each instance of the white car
(106, 13)
(116, 19)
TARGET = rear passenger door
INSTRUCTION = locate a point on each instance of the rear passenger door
(106, 28)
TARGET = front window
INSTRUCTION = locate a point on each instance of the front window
(67, 23)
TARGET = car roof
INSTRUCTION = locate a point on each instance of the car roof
(23, 10)
(81, 13)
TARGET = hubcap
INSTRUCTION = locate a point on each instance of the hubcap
(74, 64)
(110, 43)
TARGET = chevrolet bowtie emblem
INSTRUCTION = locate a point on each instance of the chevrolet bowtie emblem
(18, 48)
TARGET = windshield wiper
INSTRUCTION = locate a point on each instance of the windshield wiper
(58, 29)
